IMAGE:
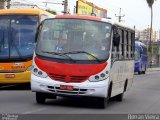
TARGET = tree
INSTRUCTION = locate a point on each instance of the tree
(150, 4)
(154, 49)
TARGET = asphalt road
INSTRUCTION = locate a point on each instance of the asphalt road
(143, 97)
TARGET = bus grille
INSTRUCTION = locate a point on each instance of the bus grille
(75, 91)
(68, 79)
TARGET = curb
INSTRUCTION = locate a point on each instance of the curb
(148, 70)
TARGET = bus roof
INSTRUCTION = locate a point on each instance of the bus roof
(76, 16)
(123, 26)
(23, 11)
(94, 18)
(84, 17)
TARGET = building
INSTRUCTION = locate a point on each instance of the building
(144, 35)
(4, 4)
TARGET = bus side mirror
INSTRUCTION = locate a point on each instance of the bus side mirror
(116, 40)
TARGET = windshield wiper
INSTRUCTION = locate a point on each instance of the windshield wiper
(77, 52)
(59, 54)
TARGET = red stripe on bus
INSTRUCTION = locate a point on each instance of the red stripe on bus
(67, 69)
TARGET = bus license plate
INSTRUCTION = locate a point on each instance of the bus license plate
(66, 87)
(9, 75)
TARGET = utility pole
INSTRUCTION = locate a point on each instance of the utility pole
(65, 3)
(148, 31)
(2, 4)
(134, 27)
(119, 16)
(8, 4)
(93, 14)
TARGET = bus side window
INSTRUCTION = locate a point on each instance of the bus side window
(132, 45)
(129, 44)
(114, 53)
(125, 50)
(121, 44)
(125, 44)
(115, 49)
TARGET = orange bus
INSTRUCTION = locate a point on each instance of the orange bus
(18, 28)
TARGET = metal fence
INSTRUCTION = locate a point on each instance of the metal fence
(154, 66)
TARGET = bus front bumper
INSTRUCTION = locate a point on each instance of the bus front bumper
(87, 88)
(9, 78)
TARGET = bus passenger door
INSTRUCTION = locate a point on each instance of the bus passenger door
(116, 69)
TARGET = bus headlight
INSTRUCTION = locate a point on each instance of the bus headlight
(39, 72)
(99, 77)
(96, 77)
(29, 68)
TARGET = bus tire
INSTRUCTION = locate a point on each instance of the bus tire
(104, 101)
(139, 72)
(119, 97)
(40, 98)
(144, 72)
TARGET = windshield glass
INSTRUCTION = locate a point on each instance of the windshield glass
(82, 40)
(17, 35)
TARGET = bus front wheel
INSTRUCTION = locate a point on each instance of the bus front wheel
(40, 98)
(102, 102)
(120, 97)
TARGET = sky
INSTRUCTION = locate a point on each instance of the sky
(136, 12)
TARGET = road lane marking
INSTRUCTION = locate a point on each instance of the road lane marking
(34, 111)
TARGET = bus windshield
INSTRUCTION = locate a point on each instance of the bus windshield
(17, 36)
(81, 40)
